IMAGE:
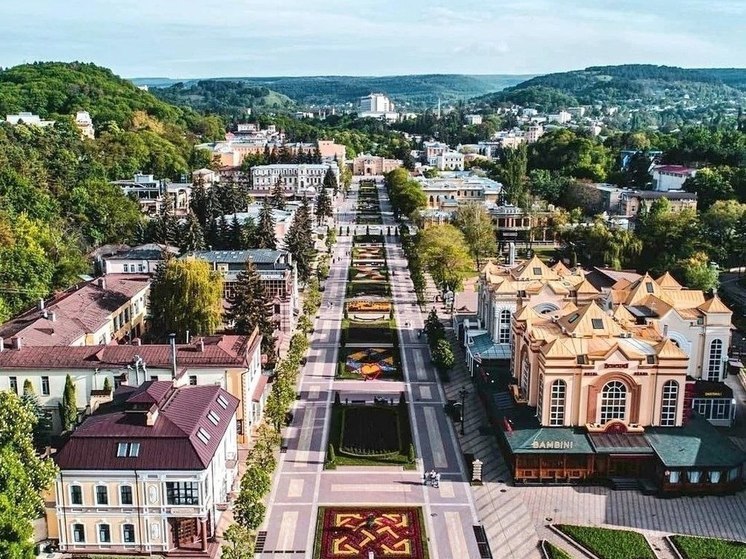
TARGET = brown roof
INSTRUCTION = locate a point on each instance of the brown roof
(714, 305)
(81, 310)
(171, 443)
(219, 351)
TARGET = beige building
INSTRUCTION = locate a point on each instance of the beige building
(150, 473)
(111, 308)
(231, 362)
(374, 165)
(449, 189)
(632, 202)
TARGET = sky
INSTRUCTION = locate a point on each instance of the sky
(210, 38)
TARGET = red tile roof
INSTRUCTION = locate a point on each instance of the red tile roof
(219, 351)
(80, 310)
(171, 443)
(680, 169)
(259, 390)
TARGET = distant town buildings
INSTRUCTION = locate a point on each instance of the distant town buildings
(377, 105)
(84, 122)
(303, 180)
(473, 119)
(142, 259)
(153, 193)
(448, 190)
(374, 165)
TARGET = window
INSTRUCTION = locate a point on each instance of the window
(104, 533)
(140, 268)
(525, 375)
(582, 359)
(125, 495)
(182, 493)
(128, 449)
(192, 380)
(715, 476)
(613, 401)
(78, 533)
(557, 403)
(503, 336)
(715, 364)
(45, 386)
(669, 403)
(213, 417)
(203, 435)
(222, 401)
(673, 476)
(540, 398)
(13, 384)
(573, 318)
(597, 323)
(694, 476)
(126, 268)
(649, 287)
(537, 271)
(128, 533)
(650, 359)
(76, 495)
(102, 495)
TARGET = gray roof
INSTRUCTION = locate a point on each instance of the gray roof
(257, 256)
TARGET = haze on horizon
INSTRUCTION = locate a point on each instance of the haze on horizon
(206, 38)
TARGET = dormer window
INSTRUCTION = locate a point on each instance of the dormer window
(598, 323)
(222, 402)
(649, 286)
(582, 359)
(203, 435)
(651, 359)
(125, 450)
(573, 318)
(213, 417)
(537, 271)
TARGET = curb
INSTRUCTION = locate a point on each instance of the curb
(672, 547)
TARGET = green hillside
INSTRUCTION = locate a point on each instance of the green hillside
(414, 91)
(626, 84)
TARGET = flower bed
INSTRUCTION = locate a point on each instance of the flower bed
(370, 364)
(360, 287)
(606, 543)
(369, 306)
(351, 532)
(692, 547)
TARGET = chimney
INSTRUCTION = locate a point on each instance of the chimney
(187, 338)
(53, 316)
(202, 346)
(19, 343)
(511, 253)
(41, 304)
(102, 283)
(137, 341)
(2, 345)
(173, 355)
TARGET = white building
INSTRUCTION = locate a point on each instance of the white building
(28, 118)
(449, 189)
(671, 177)
(84, 122)
(377, 105)
(297, 179)
(473, 119)
(143, 259)
(450, 161)
(563, 117)
(151, 474)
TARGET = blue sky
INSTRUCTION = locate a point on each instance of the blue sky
(204, 38)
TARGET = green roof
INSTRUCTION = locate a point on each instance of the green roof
(548, 440)
(698, 444)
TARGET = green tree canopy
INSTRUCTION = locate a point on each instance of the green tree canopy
(445, 255)
(475, 223)
(250, 308)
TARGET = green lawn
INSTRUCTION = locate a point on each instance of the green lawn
(709, 548)
(403, 436)
(555, 552)
(609, 544)
(357, 288)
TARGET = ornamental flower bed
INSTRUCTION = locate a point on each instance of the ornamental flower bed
(371, 363)
(369, 306)
(355, 532)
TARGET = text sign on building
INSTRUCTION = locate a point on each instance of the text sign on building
(616, 365)
(556, 445)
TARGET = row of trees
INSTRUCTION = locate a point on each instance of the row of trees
(405, 193)
(440, 347)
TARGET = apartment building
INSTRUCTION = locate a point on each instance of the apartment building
(151, 472)
(298, 180)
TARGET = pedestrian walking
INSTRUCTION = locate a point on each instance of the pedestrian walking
(437, 479)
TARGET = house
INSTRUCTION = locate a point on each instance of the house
(231, 362)
(671, 177)
(142, 259)
(450, 161)
(276, 270)
(632, 202)
(111, 308)
(473, 120)
(449, 189)
(29, 119)
(151, 472)
(366, 165)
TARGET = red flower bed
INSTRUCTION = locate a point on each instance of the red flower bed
(351, 532)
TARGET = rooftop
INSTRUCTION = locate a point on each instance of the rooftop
(257, 256)
(181, 436)
(81, 310)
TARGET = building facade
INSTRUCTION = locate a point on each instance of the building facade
(374, 165)
(451, 189)
(150, 472)
(671, 177)
(297, 179)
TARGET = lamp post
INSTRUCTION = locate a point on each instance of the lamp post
(463, 393)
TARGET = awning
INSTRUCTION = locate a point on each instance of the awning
(482, 347)
(259, 390)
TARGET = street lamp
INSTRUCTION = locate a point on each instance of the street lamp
(463, 393)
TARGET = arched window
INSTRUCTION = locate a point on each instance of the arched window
(715, 363)
(613, 401)
(503, 335)
(525, 374)
(669, 403)
(557, 403)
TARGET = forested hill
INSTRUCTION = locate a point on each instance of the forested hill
(624, 84)
(414, 91)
